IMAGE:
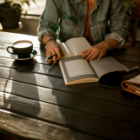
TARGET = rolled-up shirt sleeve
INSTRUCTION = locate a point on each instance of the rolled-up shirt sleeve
(118, 23)
(48, 24)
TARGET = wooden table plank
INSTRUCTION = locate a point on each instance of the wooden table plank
(8, 136)
(37, 129)
(30, 66)
(38, 79)
(92, 106)
(128, 56)
(111, 94)
(52, 70)
(75, 120)
(40, 58)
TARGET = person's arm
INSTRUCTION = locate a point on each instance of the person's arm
(52, 47)
(99, 50)
(48, 24)
(118, 22)
(47, 29)
(118, 32)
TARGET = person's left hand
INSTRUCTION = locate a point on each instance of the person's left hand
(97, 51)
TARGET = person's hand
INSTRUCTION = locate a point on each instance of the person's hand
(53, 48)
(97, 51)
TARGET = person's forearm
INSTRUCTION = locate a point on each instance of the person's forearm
(111, 43)
(52, 49)
(46, 38)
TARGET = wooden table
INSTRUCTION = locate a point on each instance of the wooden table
(35, 103)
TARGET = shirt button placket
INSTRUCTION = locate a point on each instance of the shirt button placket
(81, 18)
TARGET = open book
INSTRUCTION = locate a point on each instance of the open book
(76, 70)
(74, 47)
(132, 85)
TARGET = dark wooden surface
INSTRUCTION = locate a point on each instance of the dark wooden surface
(35, 103)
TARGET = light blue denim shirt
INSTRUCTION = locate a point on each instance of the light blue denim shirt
(107, 20)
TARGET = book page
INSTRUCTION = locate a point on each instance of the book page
(135, 79)
(75, 68)
(106, 65)
(137, 87)
(66, 51)
(77, 45)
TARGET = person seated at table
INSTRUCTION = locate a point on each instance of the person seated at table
(102, 22)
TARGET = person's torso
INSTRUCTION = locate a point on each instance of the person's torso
(73, 15)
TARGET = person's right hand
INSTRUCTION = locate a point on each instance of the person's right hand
(53, 48)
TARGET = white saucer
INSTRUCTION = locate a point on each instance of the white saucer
(32, 55)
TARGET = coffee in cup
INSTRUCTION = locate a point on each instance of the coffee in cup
(22, 48)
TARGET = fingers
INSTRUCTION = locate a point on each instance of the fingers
(54, 59)
(59, 53)
(84, 51)
(52, 51)
(101, 55)
(48, 54)
(93, 53)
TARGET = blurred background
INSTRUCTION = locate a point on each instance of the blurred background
(29, 12)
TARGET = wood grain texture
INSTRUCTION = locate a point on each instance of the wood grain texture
(31, 66)
(37, 59)
(75, 120)
(35, 103)
(36, 129)
(110, 95)
(126, 55)
(9, 136)
(88, 105)
(45, 81)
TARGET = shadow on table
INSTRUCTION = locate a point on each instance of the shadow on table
(64, 112)
(21, 92)
(60, 115)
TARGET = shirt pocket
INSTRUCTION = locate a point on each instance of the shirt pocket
(102, 26)
(67, 26)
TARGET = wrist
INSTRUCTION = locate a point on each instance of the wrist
(106, 45)
(51, 43)
(112, 43)
(48, 41)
